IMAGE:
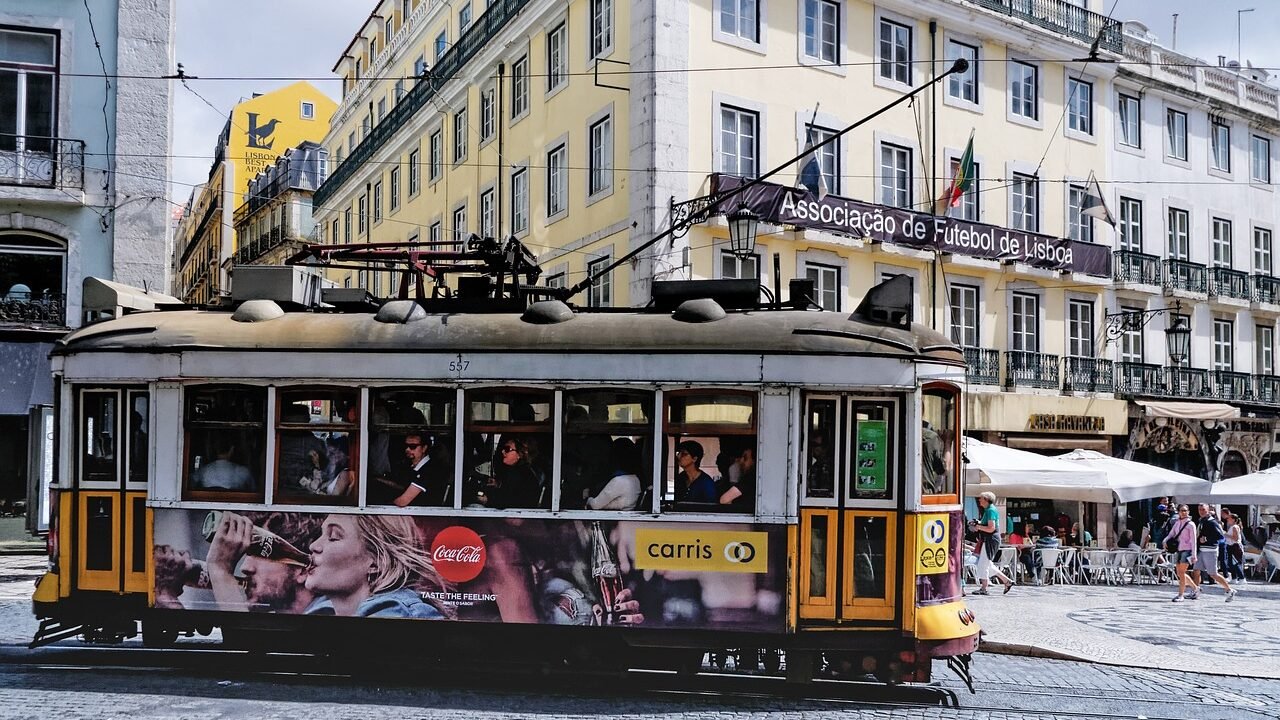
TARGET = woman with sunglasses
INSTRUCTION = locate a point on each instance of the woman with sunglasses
(514, 484)
(1181, 541)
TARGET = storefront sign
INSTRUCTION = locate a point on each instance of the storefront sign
(799, 208)
(872, 456)
(932, 545)
(1067, 423)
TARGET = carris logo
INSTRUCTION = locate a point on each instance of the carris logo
(458, 554)
(739, 552)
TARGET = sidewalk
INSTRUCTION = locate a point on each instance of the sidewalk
(15, 540)
(1137, 626)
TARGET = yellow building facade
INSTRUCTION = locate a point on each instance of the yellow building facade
(257, 132)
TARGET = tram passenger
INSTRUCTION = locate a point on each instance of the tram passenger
(224, 473)
(933, 463)
(335, 478)
(693, 485)
(821, 482)
(513, 483)
(261, 584)
(741, 495)
(371, 566)
(425, 476)
(301, 452)
(622, 492)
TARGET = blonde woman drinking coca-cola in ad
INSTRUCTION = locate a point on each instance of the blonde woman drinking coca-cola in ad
(371, 566)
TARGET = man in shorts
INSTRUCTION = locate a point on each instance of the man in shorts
(1210, 532)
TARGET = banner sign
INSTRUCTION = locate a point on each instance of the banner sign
(500, 570)
(872, 456)
(798, 207)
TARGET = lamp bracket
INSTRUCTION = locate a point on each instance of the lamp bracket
(1119, 323)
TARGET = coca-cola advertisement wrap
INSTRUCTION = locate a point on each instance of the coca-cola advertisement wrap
(637, 574)
(798, 207)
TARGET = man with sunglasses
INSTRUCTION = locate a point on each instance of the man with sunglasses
(428, 480)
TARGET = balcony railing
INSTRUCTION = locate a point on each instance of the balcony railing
(1139, 379)
(1266, 289)
(982, 366)
(1186, 382)
(1225, 282)
(1185, 275)
(43, 310)
(1135, 267)
(1061, 17)
(1031, 369)
(41, 162)
(1081, 374)
(1229, 385)
(1266, 389)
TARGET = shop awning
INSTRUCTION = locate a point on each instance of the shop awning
(1131, 480)
(1017, 473)
(1188, 410)
(1260, 488)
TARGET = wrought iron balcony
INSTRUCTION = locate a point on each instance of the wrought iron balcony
(1266, 389)
(1225, 282)
(1185, 275)
(1229, 385)
(1183, 382)
(1061, 17)
(1080, 374)
(1266, 289)
(1030, 369)
(37, 310)
(1135, 267)
(41, 162)
(1137, 379)
(982, 366)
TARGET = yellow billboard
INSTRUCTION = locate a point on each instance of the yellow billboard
(702, 550)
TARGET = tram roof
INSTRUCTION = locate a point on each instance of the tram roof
(753, 331)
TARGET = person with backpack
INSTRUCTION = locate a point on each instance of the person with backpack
(1180, 542)
(1209, 532)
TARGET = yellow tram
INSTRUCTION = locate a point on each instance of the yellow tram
(704, 475)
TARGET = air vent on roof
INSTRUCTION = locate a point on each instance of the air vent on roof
(702, 310)
(287, 284)
(251, 311)
(547, 312)
(888, 303)
(402, 312)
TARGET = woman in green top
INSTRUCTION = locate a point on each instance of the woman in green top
(988, 529)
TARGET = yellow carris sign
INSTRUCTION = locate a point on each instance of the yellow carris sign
(702, 550)
(932, 544)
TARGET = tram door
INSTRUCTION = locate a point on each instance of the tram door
(848, 480)
(111, 464)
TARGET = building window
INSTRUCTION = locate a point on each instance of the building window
(600, 174)
(377, 202)
(1080, 328)
(362, 214)
(459, 227)
(826, 285)
(395, 188)
(735, 267)
(1264, 344)
(556, 281)
(557, 58)
(486, 114)
(739, 141)
(828, 155)
(601, 292)
(1130, 224)
(28, 105)
(895, 176)
(459, 136)
(520, 86)
(963, 86)
(520, 200)
(435, 155)
(351, 142)
(601, 27)
(1129, 118)
(822, 30)
(487, 216)
(1262, 251)
(419, 68)
(464, 18)
(346, 225)
(557, 181)
(32, 280)
(442, 44)
(1024, 88)
(1260, 159)
(308, 110)
(1220, 139)
(415, 164)
(1176, 134)
(1179, 234)
(1223, 345)
(398, 93)
(1131, 349)
(965, 315)
(1080, 106)
(1221, 243)
(740, 18)
(1079, 225)
(435, 236)
(335, 232)
(968, 208)
(382, 109)
(1025, 203)
(1026, 323)
(895, 52)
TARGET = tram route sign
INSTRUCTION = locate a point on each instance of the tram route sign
(872, 456)
(932, 544)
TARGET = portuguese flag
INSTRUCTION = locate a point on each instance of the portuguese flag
(963, 180)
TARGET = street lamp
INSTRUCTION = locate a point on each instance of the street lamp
(742, 231)
(1177, 336)
(1178, 339)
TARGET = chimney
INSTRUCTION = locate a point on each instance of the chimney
(1222, 61)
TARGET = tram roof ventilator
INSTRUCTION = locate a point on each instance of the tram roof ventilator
(288, 286)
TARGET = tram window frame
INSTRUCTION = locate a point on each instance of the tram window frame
(82, 435)
(952, 497)
(442, 446)
(572, 496)
(121, 434)
(352, 396)
(245, 428)
(477, 490)
(675, 432)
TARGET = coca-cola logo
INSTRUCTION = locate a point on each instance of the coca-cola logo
(458, 554)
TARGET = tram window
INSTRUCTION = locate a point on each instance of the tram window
(98, 436)
(870, 559)
(317, 438)
(225, 445)
(411, 447)
(508, 446)
(139, 432)
(938, 443)
(820, 448)
(711, 448)
(607, 462)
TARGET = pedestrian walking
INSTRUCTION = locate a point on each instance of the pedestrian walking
(1181, 542)
(988, 529)
(1235, 548)
(1209, 532)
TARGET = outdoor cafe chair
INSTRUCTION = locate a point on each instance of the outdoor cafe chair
(1070, 564)
(1051, 565)
(1099, 568)
(1007, 561)
(1124, 564)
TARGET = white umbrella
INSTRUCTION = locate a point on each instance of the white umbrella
(1017, 473)
(1131, 480)
(1260, 488)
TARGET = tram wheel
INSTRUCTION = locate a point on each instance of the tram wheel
(155, 635)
